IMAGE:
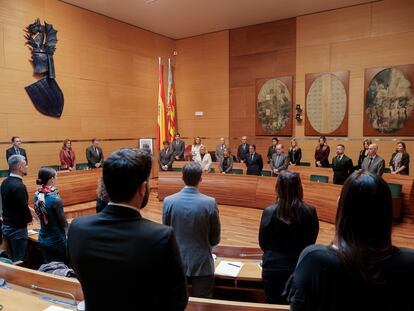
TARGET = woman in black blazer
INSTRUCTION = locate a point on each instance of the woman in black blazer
(286, 228)
(364, 152)
(400, 160)
(295, 153)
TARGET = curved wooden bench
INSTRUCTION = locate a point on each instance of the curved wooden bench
(407, 183)
(253, 191)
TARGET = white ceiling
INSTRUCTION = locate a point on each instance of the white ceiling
(185, 18)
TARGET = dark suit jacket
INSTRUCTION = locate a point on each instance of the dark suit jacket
(242, 152)
(166, 158)
(11, 151)
(283, 162)
(178, 149)
(126, 262)
(342, 169)
(195, 220)
(92, 157)
(377, 166)
(270, 151)
(255, 166)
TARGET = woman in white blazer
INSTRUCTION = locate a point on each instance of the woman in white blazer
(204, 159)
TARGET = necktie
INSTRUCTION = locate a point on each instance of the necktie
(18, 151)
(252, 156)
(370, 161)
(277, 161)
(97, 151)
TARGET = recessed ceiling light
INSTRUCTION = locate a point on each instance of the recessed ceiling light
(150, 1)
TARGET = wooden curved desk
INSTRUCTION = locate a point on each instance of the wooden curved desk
(253, 191)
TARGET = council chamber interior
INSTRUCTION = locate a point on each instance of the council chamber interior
(343, 70)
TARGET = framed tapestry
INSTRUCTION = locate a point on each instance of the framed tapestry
(274, 106)
(327, 103)
(389, 101)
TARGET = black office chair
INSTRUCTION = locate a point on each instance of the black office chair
(319, 178)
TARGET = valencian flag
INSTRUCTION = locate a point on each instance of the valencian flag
(170, 104)
(161, 109)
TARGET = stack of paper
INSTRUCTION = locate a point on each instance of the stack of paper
(228, 268)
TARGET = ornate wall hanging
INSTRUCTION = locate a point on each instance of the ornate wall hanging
(45, 94)
(389, 101)
(327, 103)
(274, 106)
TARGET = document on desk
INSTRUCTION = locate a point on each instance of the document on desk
(55, 308)
(229, 268)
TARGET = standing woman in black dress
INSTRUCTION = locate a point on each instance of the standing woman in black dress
(364, 152)
(322, 153)
(286, 228)
(295, 153)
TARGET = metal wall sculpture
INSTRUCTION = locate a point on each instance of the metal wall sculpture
(46, 95)
(274, 106)
(389, 101)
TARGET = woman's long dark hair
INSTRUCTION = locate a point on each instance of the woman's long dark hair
(364, 225)
(289, 196)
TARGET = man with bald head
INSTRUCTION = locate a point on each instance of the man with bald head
(279, 160)
(243, 150)
(373, 163)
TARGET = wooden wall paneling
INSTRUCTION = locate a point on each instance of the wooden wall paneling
(1, 45)
(259, 51)
(342, 129)
(202, 84)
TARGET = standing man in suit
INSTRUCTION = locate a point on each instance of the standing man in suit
(204, 159)
(94, 154)
(166, 157)
(15, 149)
(124, 261)
(279, 160)
(196, 223)
(341, 165)
(373, 163)
(243, 150)
(178, 147)
(16, 211)
(272, 149)
(220, 149)
(254, 162)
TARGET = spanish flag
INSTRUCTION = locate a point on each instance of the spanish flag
(161, 108)
(170, 104)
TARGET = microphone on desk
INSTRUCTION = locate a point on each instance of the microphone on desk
(55, 291)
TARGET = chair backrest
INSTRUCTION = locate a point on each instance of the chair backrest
(387, 170)
(177, 169)
(395, 190)
(212, 170)
(304, 164)
(4, 173)
(266, 173)
(319, 178)
(82, 166)
(237, 171)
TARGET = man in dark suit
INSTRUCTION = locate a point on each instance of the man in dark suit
(124, 261)
(15, 149)
(373, 163)
(166, 157)
(16, 212)
(254, 162)
(272, 149)
(243, 150)
(195, 220)
(279, 160)
(94, 154)
(341, 165)
(178, 147)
